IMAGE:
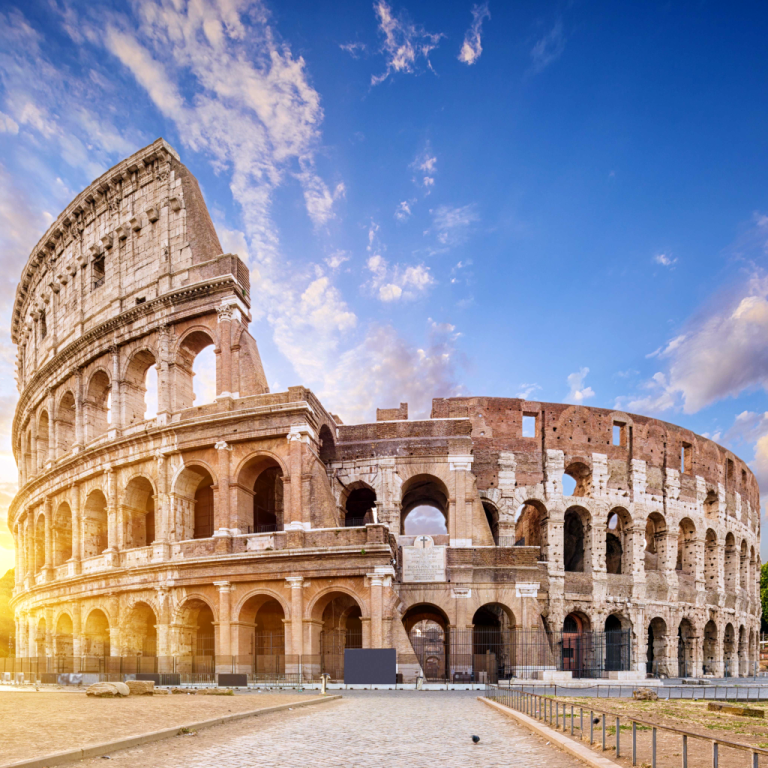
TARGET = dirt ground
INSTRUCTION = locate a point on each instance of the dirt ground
(691, 716)
(33, 724)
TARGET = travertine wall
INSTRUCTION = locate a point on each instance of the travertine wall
(140, 535)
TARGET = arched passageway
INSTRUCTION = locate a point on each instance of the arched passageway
(685, 649)
(96, 636)
(530, 526)
(576, 552)
(709, 649)
(730, 657)
(138, 513)
(193, 502)
(261, 637)
(139, 636)
(427, 628)
(196, 637)
(655, 532)
(424, 506)
(493, 644)
(95, 524)
(360, 506)
(656, 662)
(342, 628)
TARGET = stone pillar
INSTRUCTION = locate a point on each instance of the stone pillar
(114, 626)
(164, 647)
(365, 624)
(50, 631)
(163, 524)
(295, 511)
(296, 585)
(164, 375)
(29, 563)
(21, 638)
(77, 526)
(460, 514)
(224, 649)
(377, 582)
(32, 634)
(224, 358)
(52, 452)
(113, 521)
(48, 567)
(23, 450)
(20, 570)
(36, 465)
(223, 518)
(116, 404)
(79, 420)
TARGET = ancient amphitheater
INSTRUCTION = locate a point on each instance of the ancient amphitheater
(257, 533)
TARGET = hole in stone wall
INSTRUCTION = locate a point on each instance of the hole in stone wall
(529, 425)
(204, 382)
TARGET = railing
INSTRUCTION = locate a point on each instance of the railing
(553, 712)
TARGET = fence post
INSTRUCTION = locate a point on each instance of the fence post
(603, 731)
(634, 743)
(557, 715)
(653, 753)
(618, 729)
(714, 754)
(685, 751)
(571, 719)
(581, 724)
(755, 758)
(591, 727)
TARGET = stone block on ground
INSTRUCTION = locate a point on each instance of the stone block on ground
(216, 692)
(730, 709)
(141, 687)
(107, 690)
(645, 694)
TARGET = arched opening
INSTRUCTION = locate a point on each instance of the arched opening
(97, 406)
(427, 628)
(492, 518)
(530, 525)
(360, 507)
(193, 503)
(744, 565)
(62, 534)
(65, 424)
(711, 505)
(686, 547)
(63, 645)
(138, 513)
(29, 468)
(195, 371)
(685, 641)
(424, 506)
(730, 660)
(197, 636)
(616, 543)
(655, 530)
(656, 653)
(43, 453)
(327, 445)
(711, 560)
(751, 587)
(140, 631)
(268, 501)
(262, 633)
(731, 564)
(577, 480)
(95, 524)
(709, 648)
(342, 628)
(39, 542)
(574, 540)
(617, 645)
(577, 646)
(41, 650)
(96, 634)
(493, 651)
(134, 387)
(743, 651)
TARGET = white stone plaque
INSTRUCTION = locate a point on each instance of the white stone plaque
(260, 543)
(423, 564)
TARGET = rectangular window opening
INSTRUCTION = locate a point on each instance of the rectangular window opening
(43, 325)
(98, 272)
(686, 459)
(729, 470)
(529, 425)
(743, 478)
(619, 434)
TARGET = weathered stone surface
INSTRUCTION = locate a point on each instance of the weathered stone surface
(107, 690)
(141, 687)
(645, 694)
(730, 709)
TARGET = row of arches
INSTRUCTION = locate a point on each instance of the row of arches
(56, 428)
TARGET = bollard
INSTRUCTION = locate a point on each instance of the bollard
(685, 751)
(591, 727)
(581, 723)
(324, 678)
(557, 716)
(603, 732)
(714, 754)
(634, 743)
(653, 752)
(618, 730)
(571, 719)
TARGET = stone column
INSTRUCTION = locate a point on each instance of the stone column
(113, 522)
(36, 465)
(460, 522)
(223, 517)
(296, 513)
(225, 619)
(224, 358)
(164, 648)
(114, 626)
(296, 585)
(29, 563)
(77, 630)
(23, 450)
(52, 448)
(77, 527)
(116, 404)
(377, 582)
(79, 420)
(32, 633)
(48, 565)
(164, 375)
(50, 631)
(161, 547)
(21, 639)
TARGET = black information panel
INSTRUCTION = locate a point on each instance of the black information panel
(232, 681)
(370, 666)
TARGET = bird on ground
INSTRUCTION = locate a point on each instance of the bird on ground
(596, 721)
(475, 739)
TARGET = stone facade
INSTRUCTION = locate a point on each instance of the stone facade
(260, 520)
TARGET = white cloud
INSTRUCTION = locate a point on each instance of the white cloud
(471, 47)
(403, 210)
(451, 223)
(8, 124)
(425, 166)
(578, 393)
(658, 396)
(355, 50)
(336, 259)
(391, 283)
(548, 48)
(404, 43)
(526, 390)
(664, 259)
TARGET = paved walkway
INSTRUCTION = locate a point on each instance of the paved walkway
(367, 729)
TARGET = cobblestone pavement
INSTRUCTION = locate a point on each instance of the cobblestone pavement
(366, 729)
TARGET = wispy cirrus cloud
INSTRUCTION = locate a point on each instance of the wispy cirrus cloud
(451, 224)
(424, 167)
(405, 44)
(395, 282)
(472, 47)
(548, 48)
(664, 259)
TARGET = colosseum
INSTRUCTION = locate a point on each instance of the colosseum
(499, 538)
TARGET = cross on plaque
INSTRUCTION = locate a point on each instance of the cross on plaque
(423, 540)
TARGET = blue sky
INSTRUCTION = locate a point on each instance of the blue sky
(564, 201)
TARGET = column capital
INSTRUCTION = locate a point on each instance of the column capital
(223, 586)
(223, 445)
(296, 582)
(459, 463)
(301, 433)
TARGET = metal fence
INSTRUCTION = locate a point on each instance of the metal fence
(582, 724)
(483, 655)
